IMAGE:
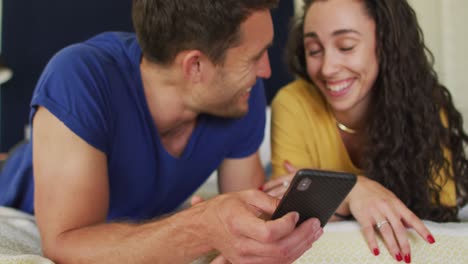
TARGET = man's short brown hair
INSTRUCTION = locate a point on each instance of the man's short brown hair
(166, 27)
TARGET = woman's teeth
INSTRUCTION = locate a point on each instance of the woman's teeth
(338, 87)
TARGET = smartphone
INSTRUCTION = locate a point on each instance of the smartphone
(315, 193)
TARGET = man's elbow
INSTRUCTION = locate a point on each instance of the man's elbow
(55, 249)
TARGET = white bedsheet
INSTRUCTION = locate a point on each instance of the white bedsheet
(342, 242)
(19, 238)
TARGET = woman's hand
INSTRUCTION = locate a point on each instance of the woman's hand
(277, 187)
(378, 210)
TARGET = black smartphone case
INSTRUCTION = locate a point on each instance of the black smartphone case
(325, 193)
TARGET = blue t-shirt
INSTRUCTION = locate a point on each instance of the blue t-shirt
(95, 89)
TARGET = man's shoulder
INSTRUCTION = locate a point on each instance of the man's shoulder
(118, 50)
(102, 47)
(111, 39)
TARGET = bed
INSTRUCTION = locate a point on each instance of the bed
(19, 238)
(342, 242)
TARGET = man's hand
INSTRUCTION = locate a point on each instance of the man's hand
(233, 227)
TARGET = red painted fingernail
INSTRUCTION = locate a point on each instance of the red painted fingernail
(399, 257)
(376, 251)
(430, 239)
(260, 188)
(407, 258)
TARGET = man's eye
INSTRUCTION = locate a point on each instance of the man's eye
(314, 52)
(258, 57)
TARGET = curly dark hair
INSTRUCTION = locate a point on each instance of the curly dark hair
(166, 27)
(406, 136)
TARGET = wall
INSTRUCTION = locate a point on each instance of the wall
(32, 32)
(1, 17)
(298, 5)
(1, 27)
(446, 35)
(280, 74)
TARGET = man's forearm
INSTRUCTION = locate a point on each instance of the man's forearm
(175, 239)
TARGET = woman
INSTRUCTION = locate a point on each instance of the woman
(369, 102)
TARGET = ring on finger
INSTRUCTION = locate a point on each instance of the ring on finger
(285, 184)
(380, 224)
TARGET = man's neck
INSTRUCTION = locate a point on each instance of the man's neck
(164, 90)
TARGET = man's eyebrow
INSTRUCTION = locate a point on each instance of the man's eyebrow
(335, 33)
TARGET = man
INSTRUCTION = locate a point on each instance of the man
(126, 130)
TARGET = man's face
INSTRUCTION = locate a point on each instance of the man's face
(227, 91)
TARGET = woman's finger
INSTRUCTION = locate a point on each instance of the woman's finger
(278, 192)
(370, 236)
(196, 199)
(220, 260)
(289, 167)
(280, 182)
(411, 220)
(399, 230)
(283, 181)
(383, 226)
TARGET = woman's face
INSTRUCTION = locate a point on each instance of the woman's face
(340, 49)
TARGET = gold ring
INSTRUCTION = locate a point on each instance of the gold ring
(381, 223)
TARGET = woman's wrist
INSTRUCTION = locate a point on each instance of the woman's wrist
(343, 216)
(345, 207)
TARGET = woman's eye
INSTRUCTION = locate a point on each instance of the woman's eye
(347, 48)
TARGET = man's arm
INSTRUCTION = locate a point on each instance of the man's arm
(241, 174)
(72, 199)
(71, 204)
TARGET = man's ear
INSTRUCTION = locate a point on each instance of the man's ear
(193, 65)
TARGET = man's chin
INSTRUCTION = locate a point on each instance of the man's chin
(238, 114)
(233, 113)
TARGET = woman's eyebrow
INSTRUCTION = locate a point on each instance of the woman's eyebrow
(312, 34)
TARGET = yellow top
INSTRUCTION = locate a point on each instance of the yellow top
(304, 132)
